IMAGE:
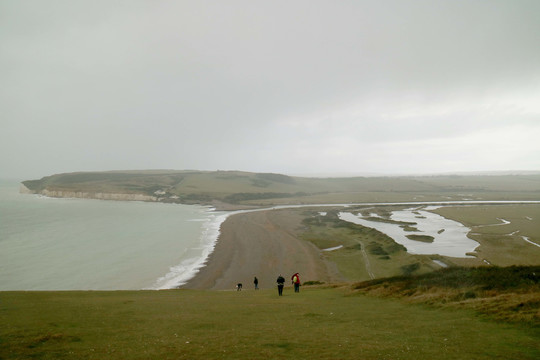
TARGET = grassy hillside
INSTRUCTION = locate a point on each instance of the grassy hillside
(317, 323)
(236, 187)
(509, 293)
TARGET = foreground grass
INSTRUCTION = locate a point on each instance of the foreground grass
(317, 323)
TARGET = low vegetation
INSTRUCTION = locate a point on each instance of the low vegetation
(506, 293)
(422, 238)
(243, 197)
(365, 252)
(317, 323)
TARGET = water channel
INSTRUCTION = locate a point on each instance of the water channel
(440, 235)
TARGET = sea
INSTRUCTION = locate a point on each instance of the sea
(82, 244)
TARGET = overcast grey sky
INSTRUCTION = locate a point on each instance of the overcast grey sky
(292, 87)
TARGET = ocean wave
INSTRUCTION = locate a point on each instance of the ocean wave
(179, 274)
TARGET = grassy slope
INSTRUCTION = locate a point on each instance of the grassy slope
(317, 323)
(509, 293)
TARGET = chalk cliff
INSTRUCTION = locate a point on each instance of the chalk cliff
(89, 195)
(24, 190)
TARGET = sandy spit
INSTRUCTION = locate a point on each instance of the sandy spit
(263, 244)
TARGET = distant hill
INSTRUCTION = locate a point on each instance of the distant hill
(256, 189)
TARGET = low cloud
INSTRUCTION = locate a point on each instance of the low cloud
(303, 87)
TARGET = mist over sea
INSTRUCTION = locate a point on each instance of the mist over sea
(81, 244)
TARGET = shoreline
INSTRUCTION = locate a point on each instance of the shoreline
(97, 244)
(260, 243)
(182, 273)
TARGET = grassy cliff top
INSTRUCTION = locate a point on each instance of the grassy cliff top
(238, 187)
(316, 323)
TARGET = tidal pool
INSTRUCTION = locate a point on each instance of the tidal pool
(449, 237)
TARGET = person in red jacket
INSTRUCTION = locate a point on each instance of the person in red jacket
(296, 282)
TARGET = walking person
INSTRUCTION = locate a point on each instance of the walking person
(280, 283)
(256, 282)
(296, 282)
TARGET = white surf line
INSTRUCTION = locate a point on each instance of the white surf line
(527, 239)
(366, 261)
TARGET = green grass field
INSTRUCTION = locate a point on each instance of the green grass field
(317, 323)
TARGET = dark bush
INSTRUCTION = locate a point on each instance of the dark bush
(409, 269)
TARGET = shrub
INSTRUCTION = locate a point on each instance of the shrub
(313, 282)
(409, 269)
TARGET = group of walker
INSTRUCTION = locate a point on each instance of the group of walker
(295, 279)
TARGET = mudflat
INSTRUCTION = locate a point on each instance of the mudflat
(262, 244)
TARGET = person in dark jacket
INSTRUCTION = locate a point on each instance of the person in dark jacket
(256, 282)
(280, 283)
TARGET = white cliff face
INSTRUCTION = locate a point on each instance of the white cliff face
(89, 195)
(24, 190)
